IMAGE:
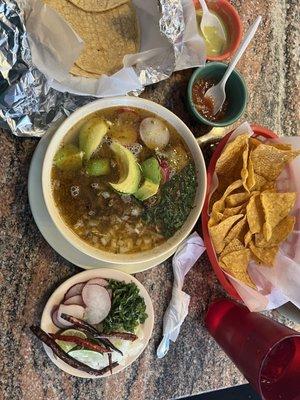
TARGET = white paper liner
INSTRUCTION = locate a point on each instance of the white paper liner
(280, 283)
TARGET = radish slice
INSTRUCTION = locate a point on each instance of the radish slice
(154, 133)
(55, 318)
(98, 303)
(74, 290)
(165, 170)
(76, 300)
(71, 309)
(109, 291)
(98, 281)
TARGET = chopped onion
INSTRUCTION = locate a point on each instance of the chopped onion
(154, 133)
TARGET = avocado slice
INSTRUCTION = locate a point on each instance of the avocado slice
(151, 170)
(91, 135)
(98, 167)
(130, 174)
(68, 158)
(147, 189)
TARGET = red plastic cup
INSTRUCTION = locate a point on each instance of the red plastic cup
(265, 351)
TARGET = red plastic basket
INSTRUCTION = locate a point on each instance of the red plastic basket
(258, 131)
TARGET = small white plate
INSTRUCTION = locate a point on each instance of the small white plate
(49, 230)
(57, 296)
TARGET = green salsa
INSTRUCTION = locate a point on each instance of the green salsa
(215, 45)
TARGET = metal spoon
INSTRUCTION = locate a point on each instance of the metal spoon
(217, 93)
(210, 20)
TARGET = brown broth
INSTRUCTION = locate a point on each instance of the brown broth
(93, 210)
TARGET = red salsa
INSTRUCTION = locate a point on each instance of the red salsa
(204, 105)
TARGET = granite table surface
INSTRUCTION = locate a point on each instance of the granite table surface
(31, 269)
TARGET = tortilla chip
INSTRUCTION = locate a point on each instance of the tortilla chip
(268, 161)
(234, 245)
(244, 171)
(236, 263)
(250, 182)
(231, 155)
(219, 206)
(260, 181)
(265, 255)
(253, 143)
(228, 212)
(269, 186)
(218, 232)
(255, 214)
(98, 5)
(247, 238)
(280, 146)
(237, 199)
(276, 207)
(279, 233)
(108, 36)
(237, 231)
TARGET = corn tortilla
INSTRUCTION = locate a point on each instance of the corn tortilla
(77, 71)
(97, 5)
(108, 36)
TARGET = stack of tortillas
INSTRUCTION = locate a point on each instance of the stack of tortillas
(109, 29)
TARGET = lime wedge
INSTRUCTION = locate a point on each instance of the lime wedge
(91, 358)
(67, 346)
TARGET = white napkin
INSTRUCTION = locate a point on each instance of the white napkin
(185, 257)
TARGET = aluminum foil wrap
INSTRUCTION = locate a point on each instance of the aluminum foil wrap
(28, 103)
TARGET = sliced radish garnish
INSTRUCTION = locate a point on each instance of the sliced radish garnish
(71, 309)
(76, 300)
(165, 170)
(109, 292)
(55, 318)
(97, 302)
(74, 290)
(98, 281)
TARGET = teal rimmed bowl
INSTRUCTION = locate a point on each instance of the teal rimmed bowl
(236, 93)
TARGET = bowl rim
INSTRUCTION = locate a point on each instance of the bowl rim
(239, 27)
(56, 297)
(133, 258)
(226, 284)
(192, 107)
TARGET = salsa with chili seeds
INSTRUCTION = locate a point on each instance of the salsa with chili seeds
(204, 105)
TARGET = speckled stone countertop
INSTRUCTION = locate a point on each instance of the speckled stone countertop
(31, 270)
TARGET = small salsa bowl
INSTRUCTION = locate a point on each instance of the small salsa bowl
(232, 22)
(236, 93)
(157, 254)
(258, 131)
